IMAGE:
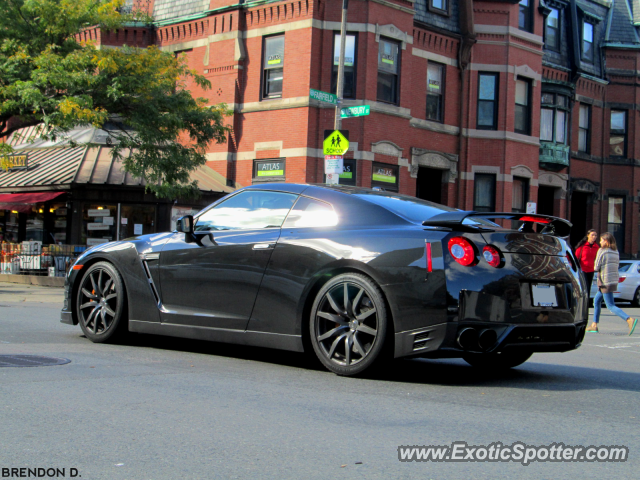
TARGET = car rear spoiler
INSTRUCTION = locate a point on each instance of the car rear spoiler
(556, 226)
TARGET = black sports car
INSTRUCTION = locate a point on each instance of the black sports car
(355, 274)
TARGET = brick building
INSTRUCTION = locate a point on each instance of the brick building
(480, 105)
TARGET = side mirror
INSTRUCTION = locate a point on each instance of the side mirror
(185, 224)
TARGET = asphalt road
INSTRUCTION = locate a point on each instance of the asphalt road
(162, 408)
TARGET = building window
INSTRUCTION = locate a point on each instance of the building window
(583, 129)
(615, 220)
(487, 101)
(271, 170)
(385, 176)
(587, 42)
(525, 19)
(618, 134)
(273, 67)
(520, 194)
(552, 30)
(439, 6)
(553, 118)
(484, 197)
(523, 107)
(388, 71)
(435, 91)
(349, 86)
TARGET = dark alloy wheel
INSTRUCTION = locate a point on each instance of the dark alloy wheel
(497, 361)
(348, 324)
(101, 303)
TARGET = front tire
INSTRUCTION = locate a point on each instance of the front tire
(100, 303)
(348, 324)
(497, 361)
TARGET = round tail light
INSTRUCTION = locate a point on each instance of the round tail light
(492, 256)
(462, 251)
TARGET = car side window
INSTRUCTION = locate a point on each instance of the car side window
(311, 213)
(250, 209)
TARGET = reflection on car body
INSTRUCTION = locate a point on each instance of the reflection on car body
(354, 275)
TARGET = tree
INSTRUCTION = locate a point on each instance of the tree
(48, 76)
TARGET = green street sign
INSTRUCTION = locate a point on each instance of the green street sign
(323, 96)
(335, 143)
(358, 111)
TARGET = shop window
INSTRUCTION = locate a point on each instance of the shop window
(615, 220)
(584, 135)
(435, 91)
(273, 67)
(618, 134)
(587, 42)
(525, 18)
(271, 170)
(520, 194)
(99, 224)
(484, 197)
(11, 226)
(487, 101)
(388, 71)
(250, 209)
(137, 220)
(552, 30)
(439, 6)
(349, 86)
(523, 107)
(553, 118)
(348, 175)
(385, 176)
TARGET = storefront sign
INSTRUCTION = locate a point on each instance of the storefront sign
(97, 226)
(384, 175)
(96, 241)
(10, 163)
(97, 212)
(269, 168)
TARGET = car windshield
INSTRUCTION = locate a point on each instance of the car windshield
(415, 209)
(624, 267)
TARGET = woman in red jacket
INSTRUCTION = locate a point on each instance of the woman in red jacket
(586, 252)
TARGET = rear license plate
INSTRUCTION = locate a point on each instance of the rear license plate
(543, 295)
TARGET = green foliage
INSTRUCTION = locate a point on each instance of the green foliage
(48, 76)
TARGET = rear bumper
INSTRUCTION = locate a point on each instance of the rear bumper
(448, 340)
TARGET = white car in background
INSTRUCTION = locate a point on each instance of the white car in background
(628, 283)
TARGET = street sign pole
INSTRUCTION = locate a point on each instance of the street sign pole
(343, 41)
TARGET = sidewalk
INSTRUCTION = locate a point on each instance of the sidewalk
(20, 293)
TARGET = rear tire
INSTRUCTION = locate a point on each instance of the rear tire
(497, 361)
(101, 304)
(348, 324)
(636, 298)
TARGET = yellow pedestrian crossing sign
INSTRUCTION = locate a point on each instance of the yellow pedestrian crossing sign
(335, 143)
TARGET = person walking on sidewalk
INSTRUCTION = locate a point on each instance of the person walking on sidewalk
(606, 265)
(586, 252)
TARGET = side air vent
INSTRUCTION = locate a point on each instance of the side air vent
(150, 280)
(420, 340)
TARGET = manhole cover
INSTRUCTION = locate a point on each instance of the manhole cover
(30, 361)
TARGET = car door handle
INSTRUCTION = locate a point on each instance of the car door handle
(263, 246)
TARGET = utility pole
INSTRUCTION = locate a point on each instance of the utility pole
(343, 41)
